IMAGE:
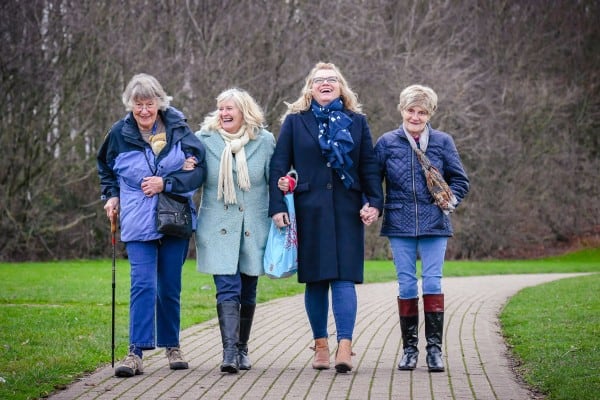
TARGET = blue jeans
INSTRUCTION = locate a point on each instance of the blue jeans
(432, 250)
(239, 288)
(343, 300)
(155, 292)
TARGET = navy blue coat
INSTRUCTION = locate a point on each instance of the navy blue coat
(409, 209)
(330, 231)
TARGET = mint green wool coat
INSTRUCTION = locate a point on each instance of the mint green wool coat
(228, 236)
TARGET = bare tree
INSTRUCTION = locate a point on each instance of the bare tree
(518, 85)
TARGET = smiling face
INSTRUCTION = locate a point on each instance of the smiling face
(325, 86)
(145, 112)
(414, 119)
(230, 116)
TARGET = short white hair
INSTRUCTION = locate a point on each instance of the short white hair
(418, 95)
(145, 87)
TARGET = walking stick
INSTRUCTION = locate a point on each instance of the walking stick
(113, 230)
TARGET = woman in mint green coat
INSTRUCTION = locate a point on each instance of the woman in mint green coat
(233, 219)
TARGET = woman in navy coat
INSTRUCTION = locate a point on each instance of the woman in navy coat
(326, 139)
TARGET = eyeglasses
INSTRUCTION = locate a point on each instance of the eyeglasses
(150, 106)
(329, 79)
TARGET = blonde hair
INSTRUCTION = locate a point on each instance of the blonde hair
(418, 95)
(252, 113)
(145, 87)
(349, 98)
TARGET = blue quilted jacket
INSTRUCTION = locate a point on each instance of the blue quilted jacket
(409, 209)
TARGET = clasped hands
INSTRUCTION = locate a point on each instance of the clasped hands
(368, 214)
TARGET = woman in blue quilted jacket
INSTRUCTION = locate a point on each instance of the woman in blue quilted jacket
(425, 181)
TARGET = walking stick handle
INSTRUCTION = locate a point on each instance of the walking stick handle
(113, 221)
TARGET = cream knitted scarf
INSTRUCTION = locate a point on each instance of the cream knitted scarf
(234, 144)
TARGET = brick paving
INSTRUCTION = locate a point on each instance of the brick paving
(474, 353)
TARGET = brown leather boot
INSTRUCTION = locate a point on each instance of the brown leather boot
(343, 356)
(321, 360)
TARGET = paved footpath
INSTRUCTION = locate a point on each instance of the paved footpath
(475, 354)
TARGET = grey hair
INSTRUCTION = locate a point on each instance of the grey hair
(418, 95)
(145, 87)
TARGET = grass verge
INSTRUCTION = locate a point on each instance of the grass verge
(55, 317)
(554, 332)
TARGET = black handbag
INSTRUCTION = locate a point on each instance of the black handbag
(173, 215)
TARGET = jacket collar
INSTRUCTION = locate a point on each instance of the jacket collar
(171, 117)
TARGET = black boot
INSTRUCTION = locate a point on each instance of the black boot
(246, 317)
(409, 326)
(229, 322)
(434, 330)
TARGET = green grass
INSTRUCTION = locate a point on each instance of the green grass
(55, 318)
(554, 330)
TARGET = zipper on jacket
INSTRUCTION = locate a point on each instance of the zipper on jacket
(412, 165)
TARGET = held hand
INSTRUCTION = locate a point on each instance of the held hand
(368, 214)
(152, 185)
(189, 164)
(286, 184)
(112, 205)
(281, 219)
(283, 184)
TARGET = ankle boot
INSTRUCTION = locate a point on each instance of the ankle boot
(343, 356)
(246, 317)
(408, 310)
(321, 359)
(229, 323)
(434, 330)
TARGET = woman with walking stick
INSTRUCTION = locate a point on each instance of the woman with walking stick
(151, 150)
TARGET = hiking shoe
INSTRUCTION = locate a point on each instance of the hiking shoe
(176, 360)
(131, 365)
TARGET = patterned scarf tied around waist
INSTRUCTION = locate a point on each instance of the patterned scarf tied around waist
(437, 186)
(334, 138)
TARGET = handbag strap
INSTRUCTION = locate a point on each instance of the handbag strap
(148, 162)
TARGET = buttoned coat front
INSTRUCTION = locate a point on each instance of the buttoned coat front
(232, 235)
(330, 231)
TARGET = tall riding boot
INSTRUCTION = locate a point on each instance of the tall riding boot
(229, 322)
(246, 317)
(434, 330)
(408, 309)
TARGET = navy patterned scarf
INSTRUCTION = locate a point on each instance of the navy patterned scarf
(334, 138)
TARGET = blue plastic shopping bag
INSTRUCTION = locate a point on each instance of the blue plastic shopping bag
(281, 252)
